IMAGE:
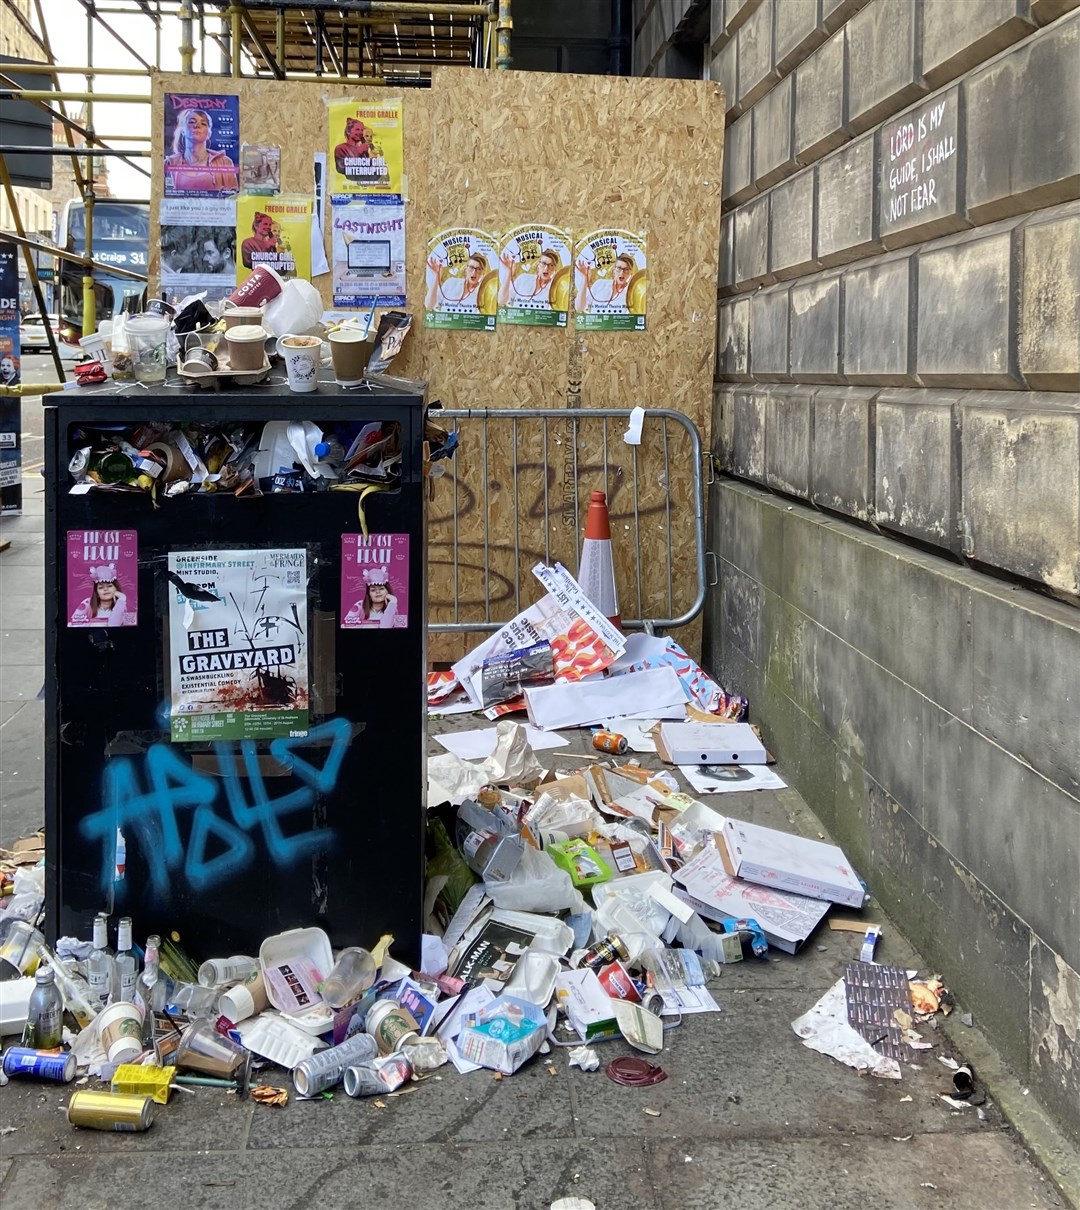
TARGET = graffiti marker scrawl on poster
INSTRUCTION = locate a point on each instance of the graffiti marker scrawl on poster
(238, 644)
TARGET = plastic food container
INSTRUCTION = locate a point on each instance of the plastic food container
(294, 966)
(271, 1037)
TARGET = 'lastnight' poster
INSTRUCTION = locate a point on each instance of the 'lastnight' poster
(238, 644)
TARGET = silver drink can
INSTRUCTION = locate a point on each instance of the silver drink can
(324, 1070)
(377, 1076)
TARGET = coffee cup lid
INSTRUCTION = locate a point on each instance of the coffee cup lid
(245, 332)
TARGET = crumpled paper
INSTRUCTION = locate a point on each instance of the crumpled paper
(513, 759)
(825, 1029)
(584, 1057)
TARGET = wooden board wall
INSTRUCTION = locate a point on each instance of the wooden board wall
(492, 149)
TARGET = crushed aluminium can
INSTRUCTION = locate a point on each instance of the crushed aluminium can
(370, 1079)
(39, 1064)
(325, 1068)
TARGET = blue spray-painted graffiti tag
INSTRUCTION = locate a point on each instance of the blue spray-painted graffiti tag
(149, 804)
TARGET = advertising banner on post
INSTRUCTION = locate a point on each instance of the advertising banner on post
(10, 375)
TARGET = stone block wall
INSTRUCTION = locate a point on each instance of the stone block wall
(897, 420)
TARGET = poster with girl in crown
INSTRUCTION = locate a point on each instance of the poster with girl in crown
(374, 581)
(102, 577)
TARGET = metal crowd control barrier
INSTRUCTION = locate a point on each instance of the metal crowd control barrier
(461, 547)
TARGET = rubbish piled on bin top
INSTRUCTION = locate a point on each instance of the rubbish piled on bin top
(575, 906)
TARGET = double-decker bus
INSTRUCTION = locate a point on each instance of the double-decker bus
(121, 240)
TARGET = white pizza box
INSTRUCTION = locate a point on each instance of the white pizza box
(791, 863)
(705, 744)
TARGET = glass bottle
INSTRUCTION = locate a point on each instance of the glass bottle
(73, 991)
(45, 1018)
(99, 968)
(151, 988)
(126, 967)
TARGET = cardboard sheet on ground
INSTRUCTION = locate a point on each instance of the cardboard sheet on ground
(578, 705)
(480, 743)
(649, 651)
(786, 919)
(731, 779)
(825, 1029)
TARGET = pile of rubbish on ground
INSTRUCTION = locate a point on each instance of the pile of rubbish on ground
(571, 900)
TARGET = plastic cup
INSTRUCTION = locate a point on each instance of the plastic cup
(19, 950)
(350, 349)
(203, 1049)
(146, 337)
(258, 289)
(247, 347)
(352, 975)
(302, 356)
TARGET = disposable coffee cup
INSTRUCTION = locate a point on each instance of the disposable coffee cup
(350, 349)
(200, 361)
(234, 315)
(263, 285)
(302, 356)
(247, 349)
(121, 1031)
(158, 306)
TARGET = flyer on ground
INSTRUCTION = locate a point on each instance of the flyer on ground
(274, 231)
(202, 145)
(535, 267)
(366, 147)
(462, 280)
(368, 244)
(10, 376)
(610, 267)
(374, 581)
(198, 246)
(102, 577)
(238, 644)
(260, 169)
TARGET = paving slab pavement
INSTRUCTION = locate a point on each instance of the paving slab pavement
(748, 1117)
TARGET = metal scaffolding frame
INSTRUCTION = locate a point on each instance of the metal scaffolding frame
(393, 43)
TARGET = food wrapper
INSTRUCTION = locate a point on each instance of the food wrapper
(266, 1094)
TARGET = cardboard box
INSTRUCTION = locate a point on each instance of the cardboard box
(791, 863)
(588, 1007)
(701, 744)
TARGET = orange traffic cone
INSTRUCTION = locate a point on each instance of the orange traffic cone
(596, 571)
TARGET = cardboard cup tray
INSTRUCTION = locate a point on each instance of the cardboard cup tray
(224, 372)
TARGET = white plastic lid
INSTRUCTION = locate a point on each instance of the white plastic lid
(237, 1003)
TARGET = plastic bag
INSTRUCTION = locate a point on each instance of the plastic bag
(536, 885)
(297, 309)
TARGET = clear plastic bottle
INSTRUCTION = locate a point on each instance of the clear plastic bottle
(99, 967)
(45, 1019)
(126, 967)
